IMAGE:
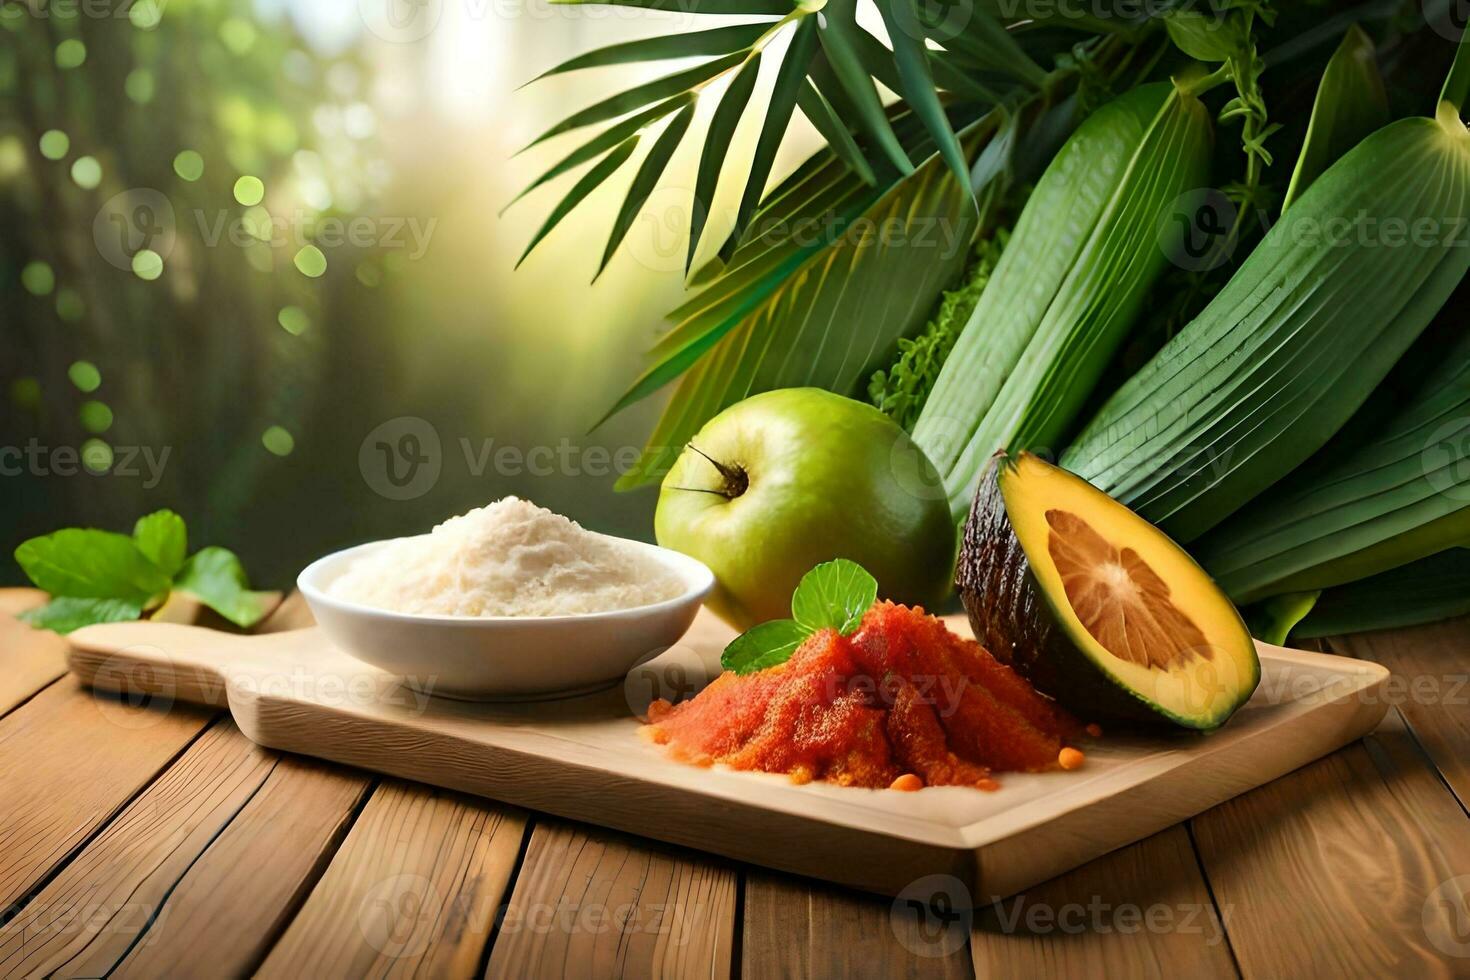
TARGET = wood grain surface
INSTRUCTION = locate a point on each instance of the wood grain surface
(1142, 911)
(584, 759)
(274, 850)
(413, 891)
(591, 903)
(1430, 688)
(796, 927)
(69, 760)
(100, 904)
(152, 838)
(1338, 868)
(29, 658)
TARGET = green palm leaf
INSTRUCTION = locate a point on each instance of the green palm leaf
(829, 70)
(644, 181)
(719, 40)
(716, 141)
(827, 315)
(604, 141)
(640, 95)
(582, 188)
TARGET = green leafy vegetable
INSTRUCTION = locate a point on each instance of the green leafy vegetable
(85, 563)
(163, 539)
(1351, 103)
(834, 595)
(216, 578)
(900, 392)
(66, 614)
(102, 577)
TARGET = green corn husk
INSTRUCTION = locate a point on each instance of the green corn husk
(1392, 487)
(1294, 343)
(1068, 286)
(1425, 591)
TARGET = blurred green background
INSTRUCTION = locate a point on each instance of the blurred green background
(244, 241)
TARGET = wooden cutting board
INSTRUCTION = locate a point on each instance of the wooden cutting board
(583, 758)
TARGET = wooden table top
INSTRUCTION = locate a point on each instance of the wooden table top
(148, 840)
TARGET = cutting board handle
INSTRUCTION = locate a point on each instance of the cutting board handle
(160, 660)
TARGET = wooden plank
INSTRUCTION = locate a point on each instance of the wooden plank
(87, 918)
(18, 600)
(589, 903)
(32, 658)
(228, 909)
(413, 890)
(1142, 911)
(585, 759)
(69, 760)
(1430, 687)
(292, 614)
(795, 927)
(1344, 867)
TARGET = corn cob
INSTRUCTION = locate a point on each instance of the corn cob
(1298, 338)
(1068, 286)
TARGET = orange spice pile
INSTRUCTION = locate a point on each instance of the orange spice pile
(901, 703)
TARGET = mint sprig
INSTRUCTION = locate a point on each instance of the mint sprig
(834, 595)
(97, 576)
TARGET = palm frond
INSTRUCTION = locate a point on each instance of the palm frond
(818, 313)
(830, 69)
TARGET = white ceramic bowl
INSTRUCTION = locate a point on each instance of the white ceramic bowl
(505, 658)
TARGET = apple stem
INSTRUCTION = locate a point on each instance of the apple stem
(736, 480)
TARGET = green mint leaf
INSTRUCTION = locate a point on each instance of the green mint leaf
(216, 578)
(764, 646)
(161, 536)
(83, 563)
(834, 595)
(66, 614)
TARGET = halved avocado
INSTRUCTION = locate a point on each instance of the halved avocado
(1097, 607)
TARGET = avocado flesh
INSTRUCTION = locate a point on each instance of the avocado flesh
(1095, 606)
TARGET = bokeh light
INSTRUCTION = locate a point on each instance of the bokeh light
(70, 53)
(38, 279)
(249, 190)
(189, 165)
(96, 455)
(311, 262)
(85, 376)
(147, 265)
(278, 441)
(95, 416)
(293, 320)
(87, 172)
(54, 144)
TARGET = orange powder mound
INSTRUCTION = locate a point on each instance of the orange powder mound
(902, 696)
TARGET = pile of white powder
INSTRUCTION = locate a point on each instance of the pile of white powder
(510, 558)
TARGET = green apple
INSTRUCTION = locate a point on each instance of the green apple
(788, 479)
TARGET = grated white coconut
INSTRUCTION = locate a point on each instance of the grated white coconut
(509, 558)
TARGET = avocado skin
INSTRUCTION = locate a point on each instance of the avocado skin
(1012, 619)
